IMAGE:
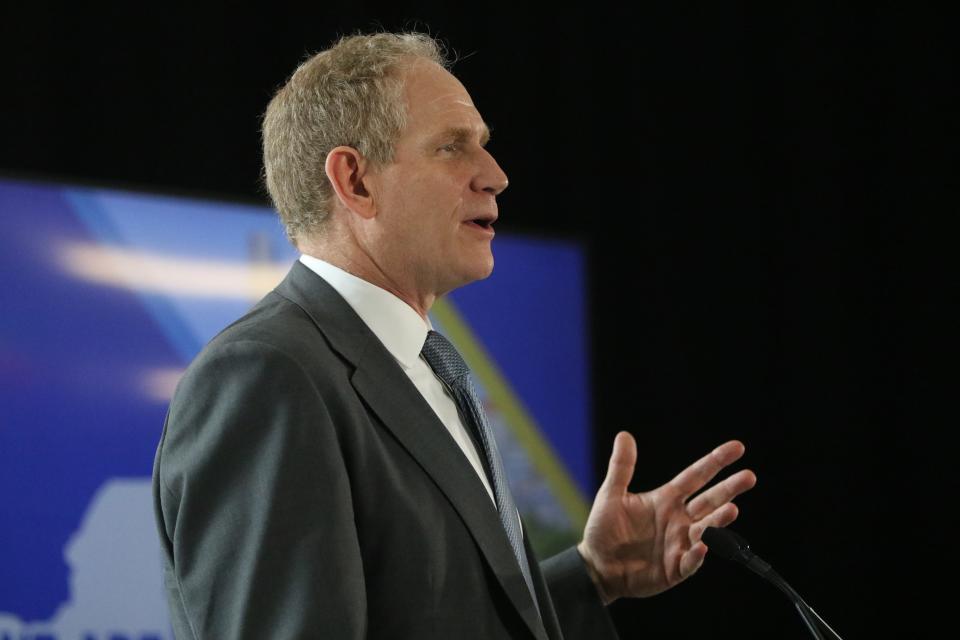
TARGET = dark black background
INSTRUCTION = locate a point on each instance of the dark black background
(760, 188)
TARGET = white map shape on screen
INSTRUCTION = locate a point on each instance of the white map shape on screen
(116, 579)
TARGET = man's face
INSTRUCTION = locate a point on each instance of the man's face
(436, 202)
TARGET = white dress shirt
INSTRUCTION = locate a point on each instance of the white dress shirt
(403, 332)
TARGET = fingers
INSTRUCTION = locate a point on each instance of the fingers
(622, 463)
(721, 494)
(722, 517)
(694, 477)
(692, 560)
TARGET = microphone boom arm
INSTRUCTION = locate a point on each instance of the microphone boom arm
(732, 546)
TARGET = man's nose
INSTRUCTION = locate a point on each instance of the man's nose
(491, 177)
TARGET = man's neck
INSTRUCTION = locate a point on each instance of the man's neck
(367, 269)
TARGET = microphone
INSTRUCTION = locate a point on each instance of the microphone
(732, 546)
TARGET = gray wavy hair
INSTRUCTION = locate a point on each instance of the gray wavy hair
(350, 94)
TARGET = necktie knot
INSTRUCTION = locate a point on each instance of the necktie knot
(444, 359)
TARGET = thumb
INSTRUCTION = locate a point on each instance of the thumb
(622, 462)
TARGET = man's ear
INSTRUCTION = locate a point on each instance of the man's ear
(346, 168)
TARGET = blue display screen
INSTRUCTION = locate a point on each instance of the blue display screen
(108, 295)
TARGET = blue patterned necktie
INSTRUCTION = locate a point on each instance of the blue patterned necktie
(449, 366)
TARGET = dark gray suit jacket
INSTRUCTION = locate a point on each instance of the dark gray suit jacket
(305, 489)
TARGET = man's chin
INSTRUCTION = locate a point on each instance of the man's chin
(477, 273)
(487, 269)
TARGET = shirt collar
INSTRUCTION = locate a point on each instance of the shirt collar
(401, 329)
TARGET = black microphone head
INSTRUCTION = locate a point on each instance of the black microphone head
(730, 545)
(726, 543)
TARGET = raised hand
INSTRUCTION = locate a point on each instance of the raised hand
(640, 544)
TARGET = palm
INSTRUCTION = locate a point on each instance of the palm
(639, 544)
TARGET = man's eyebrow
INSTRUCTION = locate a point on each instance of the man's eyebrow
(463, 134)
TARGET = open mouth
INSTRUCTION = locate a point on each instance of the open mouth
(483, 223)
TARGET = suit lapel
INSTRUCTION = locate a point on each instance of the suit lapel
(400, 406)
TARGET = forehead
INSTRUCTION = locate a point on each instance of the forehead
(436, 101)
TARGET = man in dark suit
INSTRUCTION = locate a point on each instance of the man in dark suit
(315, 478)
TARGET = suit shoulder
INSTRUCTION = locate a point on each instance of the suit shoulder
(276, 337)
(279, 325)
(274, 321)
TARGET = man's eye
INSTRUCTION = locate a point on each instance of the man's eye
(453, 146)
